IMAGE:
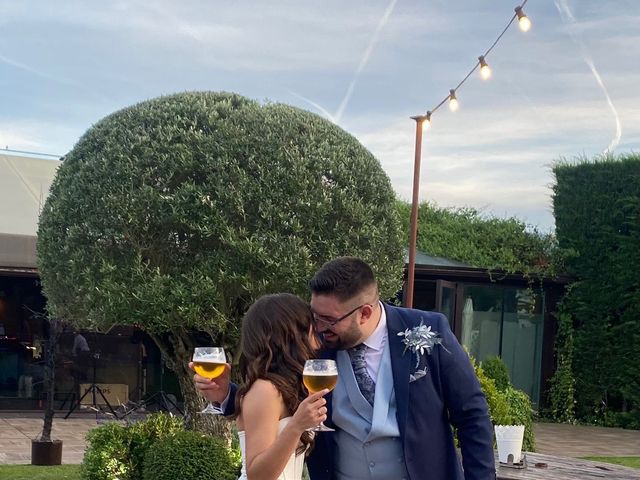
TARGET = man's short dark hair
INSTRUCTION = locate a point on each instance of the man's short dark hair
(344, 277)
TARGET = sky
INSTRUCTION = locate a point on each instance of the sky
(566, 88)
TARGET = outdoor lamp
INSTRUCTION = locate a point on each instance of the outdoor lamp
(485, 70)
(523, 20)
(426, 122)
(453, 101)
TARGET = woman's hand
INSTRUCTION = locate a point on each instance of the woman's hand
(311, 411)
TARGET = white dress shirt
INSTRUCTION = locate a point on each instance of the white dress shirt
(375, 345)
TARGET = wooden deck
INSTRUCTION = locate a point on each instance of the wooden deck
(549, 467)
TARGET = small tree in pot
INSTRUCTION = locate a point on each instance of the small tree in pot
(44, 450)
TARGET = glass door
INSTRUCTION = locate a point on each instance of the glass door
(446, 299)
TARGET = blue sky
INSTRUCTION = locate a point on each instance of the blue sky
(568, 87)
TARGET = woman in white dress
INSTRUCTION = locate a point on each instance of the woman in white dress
(273, 410)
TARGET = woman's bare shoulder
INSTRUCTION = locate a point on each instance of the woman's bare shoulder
(262, 401)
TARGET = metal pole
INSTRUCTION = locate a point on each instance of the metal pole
(413, 230)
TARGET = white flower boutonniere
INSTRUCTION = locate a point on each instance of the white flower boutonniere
(418, 339)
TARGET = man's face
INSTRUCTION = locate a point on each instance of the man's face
(338, 322)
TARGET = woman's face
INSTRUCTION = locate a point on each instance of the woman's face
(314, 340)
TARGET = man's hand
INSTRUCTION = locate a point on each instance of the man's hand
(215, 390)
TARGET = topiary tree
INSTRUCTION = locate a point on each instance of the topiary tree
(176, 213)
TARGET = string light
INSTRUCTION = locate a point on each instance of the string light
(453, 101)
(423, 122)
(523, 20)
(426, 122)
(485, 71)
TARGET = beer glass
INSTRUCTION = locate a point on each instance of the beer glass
(318, 375)
(209, 362)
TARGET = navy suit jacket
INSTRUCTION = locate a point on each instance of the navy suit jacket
(448, 395)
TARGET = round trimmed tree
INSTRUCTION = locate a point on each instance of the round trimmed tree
(175, 214)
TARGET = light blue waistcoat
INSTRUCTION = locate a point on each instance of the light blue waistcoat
(368, 442)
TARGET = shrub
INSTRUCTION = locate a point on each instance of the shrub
(521, 413)
(508, 407)
(107, 455)
(190, 455)
(144, 435)
(498, 406)
(496, 369)
(116, 452)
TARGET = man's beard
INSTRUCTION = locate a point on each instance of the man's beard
(344, 341)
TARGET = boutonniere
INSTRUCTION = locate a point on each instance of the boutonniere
(420, 339)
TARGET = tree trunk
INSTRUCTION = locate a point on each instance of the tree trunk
(50, 377)
(179, 345)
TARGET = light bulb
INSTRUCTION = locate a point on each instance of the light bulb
(485, 70)
(523, 21)
(453, 101)
(426, 122)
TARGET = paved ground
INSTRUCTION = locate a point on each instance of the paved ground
(584, 441)
(17, 430)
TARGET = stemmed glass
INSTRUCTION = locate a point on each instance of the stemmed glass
(209, 362)
(317, 375)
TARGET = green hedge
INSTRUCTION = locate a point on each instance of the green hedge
(119, 452)
(597, 209)
(190, 455)
(497, 244)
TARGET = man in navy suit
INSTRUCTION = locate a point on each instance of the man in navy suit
(433, 388)
(404, 381)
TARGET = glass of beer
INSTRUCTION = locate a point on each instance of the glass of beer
(318, 375)
(209, 362)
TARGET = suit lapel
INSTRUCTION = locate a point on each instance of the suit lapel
(400, 365)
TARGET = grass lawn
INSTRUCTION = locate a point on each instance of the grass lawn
(633, 462)
(35, 472)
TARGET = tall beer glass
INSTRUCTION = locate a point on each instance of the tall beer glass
(209, 362)
(318, 375)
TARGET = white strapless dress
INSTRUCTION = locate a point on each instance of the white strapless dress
(294, 467)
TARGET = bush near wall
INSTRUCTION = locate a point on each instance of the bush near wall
(597, 209)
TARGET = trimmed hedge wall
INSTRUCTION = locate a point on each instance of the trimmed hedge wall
(597, 209)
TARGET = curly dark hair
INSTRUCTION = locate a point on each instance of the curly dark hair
(274, 346)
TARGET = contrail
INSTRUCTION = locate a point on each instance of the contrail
(27, 68)
(567, 17)
(57, 79)
(315, 105)
(365, 59)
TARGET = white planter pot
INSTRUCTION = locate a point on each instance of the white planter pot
(509, 440)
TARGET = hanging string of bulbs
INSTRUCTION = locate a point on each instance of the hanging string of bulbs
(424, 121)
(485, 71)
